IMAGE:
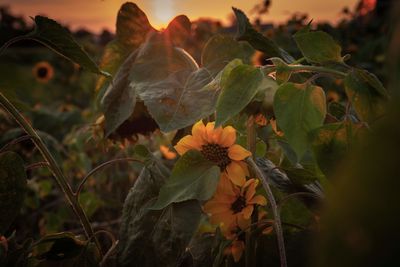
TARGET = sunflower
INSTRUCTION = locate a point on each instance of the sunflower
(236, 249)
(218, 145)
(43, 71)
(260, 120)
(232, 206)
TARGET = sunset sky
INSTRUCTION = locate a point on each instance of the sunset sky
(98, 14)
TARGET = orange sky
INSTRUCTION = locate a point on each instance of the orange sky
(98, 14)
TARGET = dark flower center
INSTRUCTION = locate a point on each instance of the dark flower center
(216, 154)
(42, 72)
(238, 205)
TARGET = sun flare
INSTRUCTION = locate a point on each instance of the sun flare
(163, 12)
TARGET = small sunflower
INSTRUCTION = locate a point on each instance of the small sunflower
(218, 145)
(43, 71)
(231, 206)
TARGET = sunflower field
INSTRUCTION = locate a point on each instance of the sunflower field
(201, 145)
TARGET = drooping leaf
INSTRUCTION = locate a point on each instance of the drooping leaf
(132, 28)
(119, 100)
(240, 88)
(220, 50)
(12, 188)
(318, 47)
(367, 95)
(299, 108)
(180, 100)
(154, 238)
(193, 177)
(60, 40)
(246, 32)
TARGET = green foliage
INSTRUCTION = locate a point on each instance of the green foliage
(318, 47)
(299, 108)
(221, 49)
(246, 32)
(12, 188)
(65, 249)
(119, 100)
(367, 94)
(154, 237)
(57, 38)
(193, 177)
(239, 89)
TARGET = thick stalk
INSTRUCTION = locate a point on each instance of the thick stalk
(53, 166)
(275, 211)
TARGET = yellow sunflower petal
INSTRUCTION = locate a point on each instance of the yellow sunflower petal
(259, 199)
(226, 218)
(215, 207)
(237, 152)
(251, 189)
(228, 136)
(213, 135)
(187, 143)
(244, 167)
(225, 186)
(199, 131)
(243, 223)
(236, 174)
(237, 249)
(247, 211)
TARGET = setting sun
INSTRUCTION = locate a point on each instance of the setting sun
(163, 12)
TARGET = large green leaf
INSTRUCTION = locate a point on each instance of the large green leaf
(318, 46)
(299, 108)
(331, 143)
(154, 237)
(246, 32)
(12, 188)
(367, 94)
(180, 100)
(239, 89)
(119, 100)
(220, 50)
(193, 177)
(131, 31)
(59, 39)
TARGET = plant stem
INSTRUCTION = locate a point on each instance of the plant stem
(275, 211)
(12, 41)
(251, 135)
(58, 175)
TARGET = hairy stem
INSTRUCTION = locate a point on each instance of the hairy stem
(58, 175)
(275, 211)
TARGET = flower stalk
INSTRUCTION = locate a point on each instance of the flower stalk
(275, 211)
(58, 175)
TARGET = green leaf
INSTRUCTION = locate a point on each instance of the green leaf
(219, 50)
(180, 100)
(90, 202)
(367, 94)
(240, 88)
(51, 34)
(318, 47)
(154, 237)
(246, 32)
(66, 249)
(193, 177)
(12, 188)
(119, 100)
(132, 30)
(331, 143)
(299, 108)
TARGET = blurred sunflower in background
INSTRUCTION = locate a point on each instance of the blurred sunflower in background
(218, 146)
(43, 71)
